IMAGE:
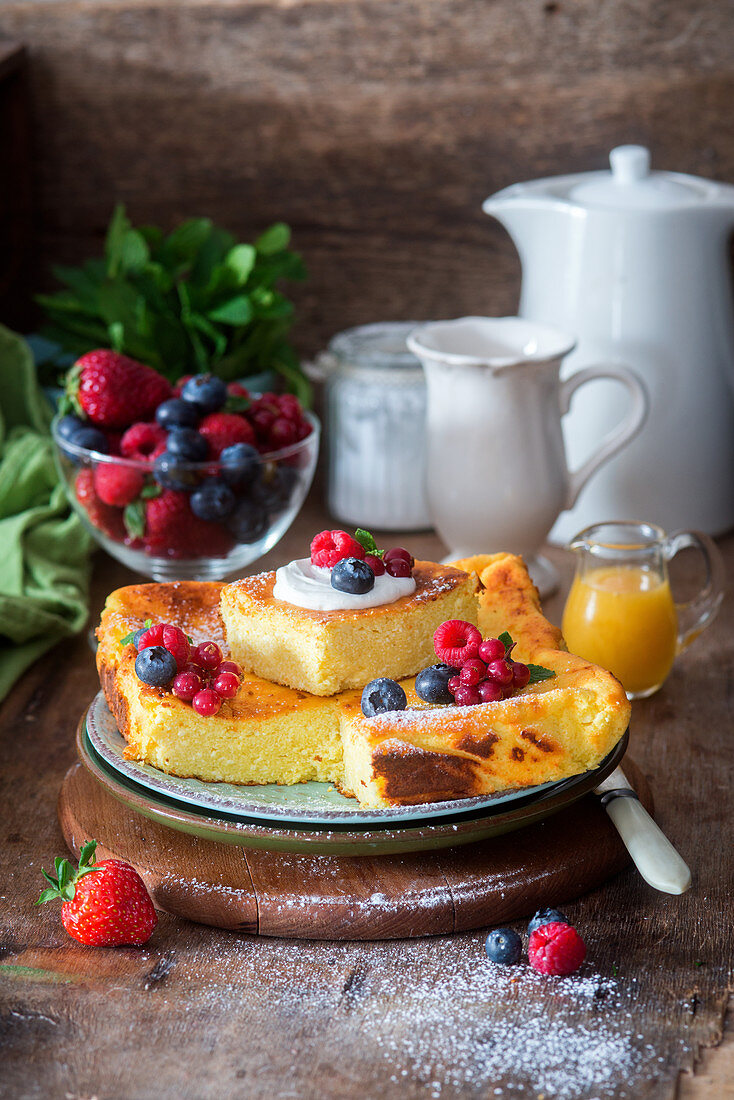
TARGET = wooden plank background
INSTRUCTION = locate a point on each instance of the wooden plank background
(375, 127)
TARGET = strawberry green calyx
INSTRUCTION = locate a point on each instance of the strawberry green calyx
(367, 542)
(70, 402)
(63, 884)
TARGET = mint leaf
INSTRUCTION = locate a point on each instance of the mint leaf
(274, 239)
(149, 492)
(237, 311)
(134, 519)
(538, 674)
(241, 260)
(506, 640)
(367, 542)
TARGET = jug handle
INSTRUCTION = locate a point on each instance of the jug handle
(618, 437)
(696, 614)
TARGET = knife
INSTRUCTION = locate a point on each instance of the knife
(652, 853)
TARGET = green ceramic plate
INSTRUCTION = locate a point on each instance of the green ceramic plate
(343, 838)
(318, 805)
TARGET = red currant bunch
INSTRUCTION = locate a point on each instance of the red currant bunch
(486, 671)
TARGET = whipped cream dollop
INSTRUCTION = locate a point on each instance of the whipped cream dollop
(307, 585)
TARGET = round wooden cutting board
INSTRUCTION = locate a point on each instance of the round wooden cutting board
(356, 897)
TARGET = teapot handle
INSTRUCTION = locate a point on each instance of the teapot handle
(618, 437)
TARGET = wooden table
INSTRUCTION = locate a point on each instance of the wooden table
(200, 1013)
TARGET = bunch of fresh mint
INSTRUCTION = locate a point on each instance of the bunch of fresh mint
(191, 302)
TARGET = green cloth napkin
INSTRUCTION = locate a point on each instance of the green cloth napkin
(44, 549)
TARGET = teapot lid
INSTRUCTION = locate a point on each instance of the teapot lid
(630, 185)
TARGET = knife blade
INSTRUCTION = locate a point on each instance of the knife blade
(652, 853)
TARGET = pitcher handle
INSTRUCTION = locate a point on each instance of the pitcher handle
(696, 614)
(614, 440)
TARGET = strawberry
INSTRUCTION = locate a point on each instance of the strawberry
(144, 441)
(224, 429)
(173, 531)
(113, 390)
(102, 516)
(104, 904)
(117, 485)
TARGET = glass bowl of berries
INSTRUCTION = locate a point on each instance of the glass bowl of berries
(191, 482)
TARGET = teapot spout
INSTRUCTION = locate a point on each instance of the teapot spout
(533, 215)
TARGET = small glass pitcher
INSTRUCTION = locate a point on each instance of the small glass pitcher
(620, 613)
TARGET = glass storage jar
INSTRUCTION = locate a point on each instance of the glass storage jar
(376, 437)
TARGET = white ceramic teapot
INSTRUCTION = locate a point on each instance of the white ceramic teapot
(634, 263)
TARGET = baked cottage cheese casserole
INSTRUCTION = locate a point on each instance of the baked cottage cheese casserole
(267, 731)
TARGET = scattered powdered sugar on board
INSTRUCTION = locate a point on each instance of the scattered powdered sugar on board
(444, 1019)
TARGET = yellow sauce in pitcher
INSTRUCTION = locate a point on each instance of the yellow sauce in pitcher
(623, 619)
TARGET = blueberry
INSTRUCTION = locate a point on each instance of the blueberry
(432, 684)
(68, 426)
(155, 666)
(177, 413)
(248, 522)
(172, 473)
(187, 443)
(241, 465)
(90, 438)
(275, 490)
(138, 635)
(504, 946)
(546, 916)
(382, 695)
(206, 391)
(213, 500)
(352, 575)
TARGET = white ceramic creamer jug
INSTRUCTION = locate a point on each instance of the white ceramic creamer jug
(497, 470)
(635, 264)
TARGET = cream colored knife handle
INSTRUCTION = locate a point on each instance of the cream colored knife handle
(652, 853)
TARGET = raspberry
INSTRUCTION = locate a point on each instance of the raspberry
(206, 702)
(171, 638)
(105, 518)
(208, 655)
(224, 430)
(556, 949)
(329, 547)
(172, 530)
(375, 564)
(290, 407)
(114, 390)
(473, 672)
(456, 641)
(144, 441)
(117, 485)
(282, 433)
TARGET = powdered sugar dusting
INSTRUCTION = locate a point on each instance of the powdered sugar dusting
(436, 1018)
